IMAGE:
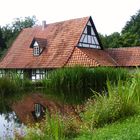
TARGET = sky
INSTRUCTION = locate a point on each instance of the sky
(108, 15)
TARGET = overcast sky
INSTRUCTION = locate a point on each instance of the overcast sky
(108, 15)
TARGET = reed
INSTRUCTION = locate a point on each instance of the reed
(75, 84)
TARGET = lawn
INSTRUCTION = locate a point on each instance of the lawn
(128, 129)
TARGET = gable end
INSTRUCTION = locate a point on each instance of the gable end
(89, 37)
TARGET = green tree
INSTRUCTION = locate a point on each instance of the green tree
(131, 31)
(8, 35)
(130, 40)
(21, 23)
(10, 32)
(112, 41)
(133, 26)
(2, 41)
(129, 36)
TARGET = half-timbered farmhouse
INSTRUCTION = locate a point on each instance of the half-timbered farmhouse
(68, 43)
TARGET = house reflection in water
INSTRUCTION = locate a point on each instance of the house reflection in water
(39, 111)
(34, 107)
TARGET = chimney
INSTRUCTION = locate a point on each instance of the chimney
(43, 24)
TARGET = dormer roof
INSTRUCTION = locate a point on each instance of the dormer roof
(41, 42)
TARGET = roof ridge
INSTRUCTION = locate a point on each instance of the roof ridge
(112, 58)
(67, 20)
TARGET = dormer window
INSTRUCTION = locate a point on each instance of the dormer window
(38, 46)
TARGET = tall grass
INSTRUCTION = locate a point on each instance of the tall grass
(9, 87)
(81, 78)
(122, 100)
(76, 83)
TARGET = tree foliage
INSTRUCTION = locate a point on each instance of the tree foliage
(2, 41)
(9, 32)
(112, 41)
(129, 36)
(21, 23)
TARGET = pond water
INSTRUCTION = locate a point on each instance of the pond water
(32, 106)
(9, 125)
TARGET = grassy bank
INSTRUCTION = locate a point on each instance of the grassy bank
(127, 129)
(115, 109)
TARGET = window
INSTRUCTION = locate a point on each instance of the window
(36, 49)
(88, 30)
(38, 45)
(2, 73)
(39, 111)
(38, 74)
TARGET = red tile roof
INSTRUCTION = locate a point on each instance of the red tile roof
(128, 56)
(90, 57)
(61, 39)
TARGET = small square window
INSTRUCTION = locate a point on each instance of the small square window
(36, 50)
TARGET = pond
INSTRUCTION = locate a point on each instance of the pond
(29, 109)
(10, 125)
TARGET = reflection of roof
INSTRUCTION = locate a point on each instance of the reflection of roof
(24, 109)
(129, 56)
